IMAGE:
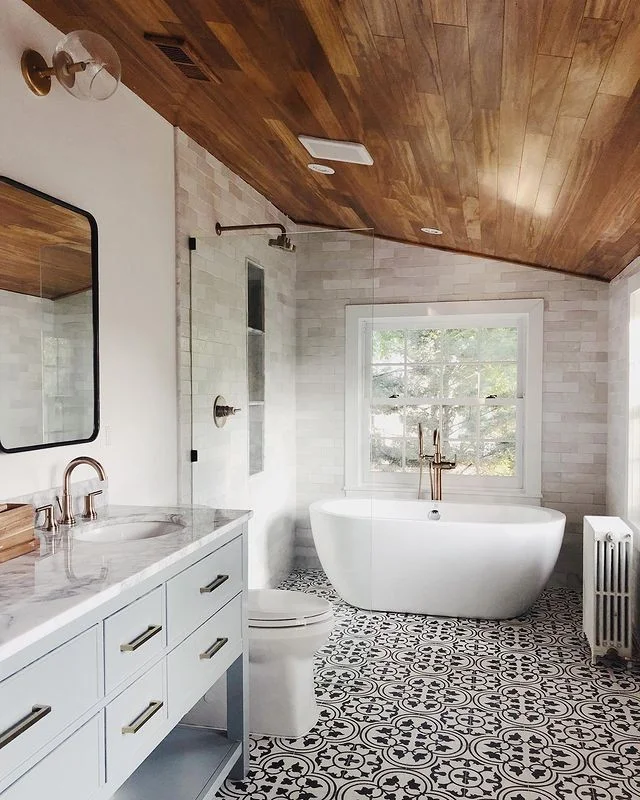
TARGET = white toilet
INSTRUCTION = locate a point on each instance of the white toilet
(285, 630)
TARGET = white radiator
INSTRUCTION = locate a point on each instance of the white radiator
(609, 586)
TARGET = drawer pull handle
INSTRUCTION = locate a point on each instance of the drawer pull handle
(146, 715)
(37, 713)
(214, 584)
(134, 644)
(215, 647)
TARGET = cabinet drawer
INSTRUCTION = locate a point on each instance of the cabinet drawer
(196, 664)
(71, 771)
(132, 637)
(38, 702)
(198, 592)
(136, 722)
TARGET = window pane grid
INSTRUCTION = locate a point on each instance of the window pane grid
(407, 387)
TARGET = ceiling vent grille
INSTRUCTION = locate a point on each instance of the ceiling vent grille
(183, 56)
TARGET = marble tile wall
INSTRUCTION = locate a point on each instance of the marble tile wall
(46, 354)
(618, 406)
(23, 320)
(207, 191)
(68, 369)
(575, 364)
(330, 270)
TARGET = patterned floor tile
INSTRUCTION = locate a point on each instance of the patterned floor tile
(440, 709)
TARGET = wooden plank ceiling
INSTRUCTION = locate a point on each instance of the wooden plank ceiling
(512, 125)
(45, 249)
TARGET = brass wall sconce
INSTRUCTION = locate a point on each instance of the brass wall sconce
(83, 62)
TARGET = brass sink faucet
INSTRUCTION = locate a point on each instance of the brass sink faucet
(436, 464)
(67, 499)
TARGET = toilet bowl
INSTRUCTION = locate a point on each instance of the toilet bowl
(285, 630)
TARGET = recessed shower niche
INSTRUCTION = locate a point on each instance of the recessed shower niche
(255, 365)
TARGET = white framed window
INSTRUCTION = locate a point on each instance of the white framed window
(471, 369)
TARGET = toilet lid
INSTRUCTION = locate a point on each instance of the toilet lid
(275, 608)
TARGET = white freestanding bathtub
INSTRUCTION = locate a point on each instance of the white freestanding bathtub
(483, 561)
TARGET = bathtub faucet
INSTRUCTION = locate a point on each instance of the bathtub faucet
(436, 464)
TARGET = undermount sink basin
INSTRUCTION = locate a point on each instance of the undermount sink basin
(128, 530)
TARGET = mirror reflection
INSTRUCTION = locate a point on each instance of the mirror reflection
(48, 369)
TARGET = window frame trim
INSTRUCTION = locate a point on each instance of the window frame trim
(526, 314)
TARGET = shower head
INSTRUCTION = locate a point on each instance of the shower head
(283, 242)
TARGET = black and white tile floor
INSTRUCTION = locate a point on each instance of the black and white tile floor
(437, 709)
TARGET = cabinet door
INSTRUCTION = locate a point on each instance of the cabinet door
(198, 592)
(41, 700)
(136, 723)
(196, 664)
(132, 637)
(71, 771)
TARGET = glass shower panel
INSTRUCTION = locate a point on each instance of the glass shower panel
(334, 274)
(256, 336)
(280, 360)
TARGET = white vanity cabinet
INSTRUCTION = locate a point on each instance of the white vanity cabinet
(93, 718)
(76, 765)
(133, 636)
(136, 721)
(205, 655)
(197, 593)
(42, 700)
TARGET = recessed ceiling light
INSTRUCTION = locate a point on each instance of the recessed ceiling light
(323, 168)
(432, 231)
(333, 150)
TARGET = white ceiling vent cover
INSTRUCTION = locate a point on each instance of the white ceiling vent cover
(332, 150)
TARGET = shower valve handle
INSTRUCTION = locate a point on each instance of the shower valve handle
(222, 411)
(227, 411)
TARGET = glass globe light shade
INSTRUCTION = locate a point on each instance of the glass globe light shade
(87, 65)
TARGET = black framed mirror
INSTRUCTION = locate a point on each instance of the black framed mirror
(49, 372)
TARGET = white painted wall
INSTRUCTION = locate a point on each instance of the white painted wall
(114, 159)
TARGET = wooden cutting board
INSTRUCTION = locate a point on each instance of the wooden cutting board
(16, 518)
(18, 550)
(15, 539)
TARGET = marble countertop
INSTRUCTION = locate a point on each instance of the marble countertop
(41, 593)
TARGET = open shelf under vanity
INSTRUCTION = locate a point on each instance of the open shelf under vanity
(192, 762)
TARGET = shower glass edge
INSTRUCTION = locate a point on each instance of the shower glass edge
(304, 349)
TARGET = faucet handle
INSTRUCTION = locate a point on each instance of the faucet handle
(89, 508)
(451, 464)
(50, 523)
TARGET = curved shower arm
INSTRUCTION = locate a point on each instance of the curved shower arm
(220, 229)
